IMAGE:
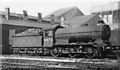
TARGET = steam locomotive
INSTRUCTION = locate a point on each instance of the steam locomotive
(91, 40)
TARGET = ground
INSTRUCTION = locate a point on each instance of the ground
(16, 62)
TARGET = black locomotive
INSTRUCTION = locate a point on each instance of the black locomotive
(88, 39)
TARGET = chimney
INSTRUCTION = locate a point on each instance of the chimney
(7, 13)
(52, 19)
(39, 17)
(25, 15)
(62, 21)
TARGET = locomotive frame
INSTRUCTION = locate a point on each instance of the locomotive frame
(48, 43)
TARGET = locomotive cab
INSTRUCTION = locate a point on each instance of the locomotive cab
(48, 38)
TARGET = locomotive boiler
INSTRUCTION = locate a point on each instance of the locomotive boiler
(84, 34)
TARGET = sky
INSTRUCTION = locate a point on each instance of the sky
(48, 6)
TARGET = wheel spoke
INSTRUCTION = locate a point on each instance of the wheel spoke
(72, 52)
(30, 51)
(55, 52)
(38, 51)
(90, 52)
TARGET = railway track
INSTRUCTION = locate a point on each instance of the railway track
(37, 62)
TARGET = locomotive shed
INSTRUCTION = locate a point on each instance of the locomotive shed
(12, 23)
(50, 63)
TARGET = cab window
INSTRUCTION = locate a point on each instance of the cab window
(48, 33)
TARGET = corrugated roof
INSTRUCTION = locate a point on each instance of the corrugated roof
(25, 23)
(17, 15)
(29, 23)
(21, 16)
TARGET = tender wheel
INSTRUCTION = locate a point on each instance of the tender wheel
(20, 51)
(39, 51)
(72, 52)
(31, 51)
(15, 50)
(55, 52)
(90, 52)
